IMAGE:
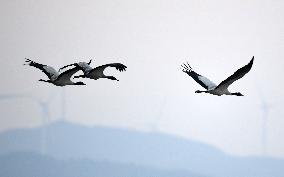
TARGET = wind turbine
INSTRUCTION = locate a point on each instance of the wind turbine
(265, 108)
(45, 114)
(44, 109)
(154, 125)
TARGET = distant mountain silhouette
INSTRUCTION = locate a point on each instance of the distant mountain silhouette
(36, 165)
(70, 141)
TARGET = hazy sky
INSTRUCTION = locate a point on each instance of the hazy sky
(151, 37)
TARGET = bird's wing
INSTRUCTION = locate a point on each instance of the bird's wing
(203, 81)
(85, 67)
(66, 75)
(237, 75)
(100, 69)
(66, 66)
(51, 73)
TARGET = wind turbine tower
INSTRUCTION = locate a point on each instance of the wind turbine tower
(63, 104)
(265, 114)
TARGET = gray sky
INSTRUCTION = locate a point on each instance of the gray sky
(152, 38)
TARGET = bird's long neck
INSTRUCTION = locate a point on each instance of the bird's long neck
(110, 77)
(200, 91)
(49, 81)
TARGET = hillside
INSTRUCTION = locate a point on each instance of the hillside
(70, 141)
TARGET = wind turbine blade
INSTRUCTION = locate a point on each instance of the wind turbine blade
(11, 96)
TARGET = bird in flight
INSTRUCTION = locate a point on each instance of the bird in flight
(222, 88)
(97, 72)
(56, 78)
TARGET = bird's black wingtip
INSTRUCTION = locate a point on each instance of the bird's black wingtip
(249, 65)
(28, 61)
(186, 67)
(251, 61)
